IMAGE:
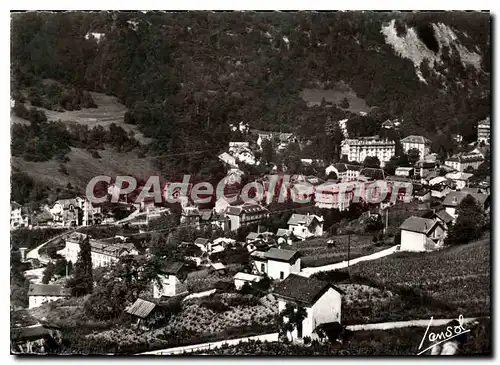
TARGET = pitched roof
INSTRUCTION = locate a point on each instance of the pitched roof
(30, 333)
(416, 139)
(302, 289)
(444, 216)
(282, 232)
(471, 190)
(374, 173)
(141, 308)
(50, 290)
(281, 255)
(171, 268)
(252, 236)
(201, 241)
(246, 208)
(418, 224)
(218, 266)
(247, 277)
(454, 198)
(305, 219)
(463, 176)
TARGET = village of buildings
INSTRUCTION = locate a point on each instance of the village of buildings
(276, 255)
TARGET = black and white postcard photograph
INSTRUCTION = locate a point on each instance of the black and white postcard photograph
(261, 183)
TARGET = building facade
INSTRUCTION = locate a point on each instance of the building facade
(483, 131)
(422, 144)
(360, 148)
(462, 161)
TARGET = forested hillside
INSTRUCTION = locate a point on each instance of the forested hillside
(185, 76)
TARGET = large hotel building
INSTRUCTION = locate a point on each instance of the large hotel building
(360, 148)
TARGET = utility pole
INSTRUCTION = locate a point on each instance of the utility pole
(386, 220)
(348, 249)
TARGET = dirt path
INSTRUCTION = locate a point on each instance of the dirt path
(308, 271)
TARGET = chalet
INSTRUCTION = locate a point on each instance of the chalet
(305, 225)
(246, 214)
(221, 243)
(276, 263)
(19, 216)
(440, 190)
(421, 234)
(321, 300)
(39, 294)
(172, 278)
(284, 236)
(462, 161)
(461, 179)
(204, 244)
(219, 268)
(404, 171)
(442, 217)
(241, 278)
(422, 195)
(454, 198)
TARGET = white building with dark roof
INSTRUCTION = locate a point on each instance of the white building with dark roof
(421, 234)
(419, 142)
(103, 252)
(246, 214)
(305, 225)
(344, 171)
(276, 263)
(461, 161)
(39, 294)
(172, 278)
(321, 300)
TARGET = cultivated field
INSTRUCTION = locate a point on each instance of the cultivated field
(317, 253)
(443, 284)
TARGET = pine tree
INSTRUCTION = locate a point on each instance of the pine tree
(82, 281)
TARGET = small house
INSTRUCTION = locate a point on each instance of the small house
(441, 216)
(454, 198)
(422, 195)
(305, 225)
(278, 263)
(219, 268)
(421, 234)
(321, 300)
(284, 236)
(172, 279)
(241, 278)
(404, 171)
(203, 243)
(39, 294)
